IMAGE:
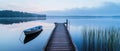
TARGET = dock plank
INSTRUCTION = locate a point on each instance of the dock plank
(60, 39)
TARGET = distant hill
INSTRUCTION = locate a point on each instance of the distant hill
(106, 9)
(10, 13)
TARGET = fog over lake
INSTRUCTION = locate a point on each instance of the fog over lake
(12, 34)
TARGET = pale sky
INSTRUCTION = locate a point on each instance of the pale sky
(47, 5)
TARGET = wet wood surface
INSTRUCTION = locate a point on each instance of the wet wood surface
(60, 39)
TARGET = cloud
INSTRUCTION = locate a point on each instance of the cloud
(18, 5)
(108, 9)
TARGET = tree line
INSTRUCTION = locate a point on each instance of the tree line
(10, 13)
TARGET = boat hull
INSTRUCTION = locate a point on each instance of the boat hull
(31, 36)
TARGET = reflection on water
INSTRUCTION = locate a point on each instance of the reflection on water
(95, 39)
(101, 39)
(31, 36)
(78, 25)
(10, 20)
(11, 33)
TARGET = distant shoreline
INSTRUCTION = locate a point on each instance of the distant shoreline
(10, 13)
(83, 16)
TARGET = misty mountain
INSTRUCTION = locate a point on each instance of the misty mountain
(107, 9)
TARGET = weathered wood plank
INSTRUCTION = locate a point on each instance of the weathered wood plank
(60, 39)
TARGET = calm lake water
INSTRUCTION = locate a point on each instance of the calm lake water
(11, 35)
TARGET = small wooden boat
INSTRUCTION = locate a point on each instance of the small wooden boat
(33, 30)
(31, 33)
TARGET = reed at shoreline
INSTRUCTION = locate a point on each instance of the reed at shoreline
(101, 39)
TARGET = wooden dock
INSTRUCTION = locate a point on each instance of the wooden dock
(60, 39)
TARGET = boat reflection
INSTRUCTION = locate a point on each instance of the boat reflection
(31, 37)
(31, 33)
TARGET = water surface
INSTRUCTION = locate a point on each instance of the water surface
(12, 33)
